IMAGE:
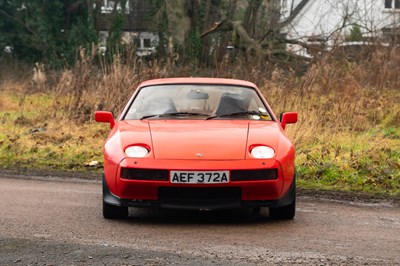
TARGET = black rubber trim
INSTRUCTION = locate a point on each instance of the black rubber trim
(144, 174)
(111, 199)
(253, 175)
(211, 205)
(108, 197)
(199, 198)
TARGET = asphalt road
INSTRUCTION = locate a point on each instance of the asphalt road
(60, 222)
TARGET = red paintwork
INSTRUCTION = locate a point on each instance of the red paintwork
(104, 116)
(174, 143)
(199, 136)
(288, 118)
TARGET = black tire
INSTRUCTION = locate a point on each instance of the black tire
(114, 212)
(285, 212)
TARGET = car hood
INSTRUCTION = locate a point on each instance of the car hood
(199, 139)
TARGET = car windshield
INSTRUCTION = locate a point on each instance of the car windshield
(189, 101)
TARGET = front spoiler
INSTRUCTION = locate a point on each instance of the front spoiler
(112, 199)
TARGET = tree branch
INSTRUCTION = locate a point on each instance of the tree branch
(292, 15)
(18, 21)
(248, 44)
(218, 26)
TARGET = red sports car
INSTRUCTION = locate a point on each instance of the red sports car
(198, 143)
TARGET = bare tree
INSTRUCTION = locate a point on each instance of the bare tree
(269, 43)
(259, 29)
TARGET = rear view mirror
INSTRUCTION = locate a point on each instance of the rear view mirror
(197, 95)
(288, 118)
(104, 117)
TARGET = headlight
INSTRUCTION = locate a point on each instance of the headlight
(262, 152)
(136, 151)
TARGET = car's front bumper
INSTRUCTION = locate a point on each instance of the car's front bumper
(190, 198)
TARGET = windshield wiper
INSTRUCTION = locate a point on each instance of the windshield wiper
(234, 114)
(172, 114)
(182, 113)
(149, 116)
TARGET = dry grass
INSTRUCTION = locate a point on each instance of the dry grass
(348, 135)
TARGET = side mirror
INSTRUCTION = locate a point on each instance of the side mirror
(104, 117)
(288, 118)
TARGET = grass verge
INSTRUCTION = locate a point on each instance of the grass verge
(33, 135)
(347, 137)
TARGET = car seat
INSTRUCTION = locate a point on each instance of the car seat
(230, 103)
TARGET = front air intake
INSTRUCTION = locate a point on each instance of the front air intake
(144, 174)
(254, 175)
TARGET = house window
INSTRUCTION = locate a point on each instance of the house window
(109, 5)
(146, 43)
(392, 4)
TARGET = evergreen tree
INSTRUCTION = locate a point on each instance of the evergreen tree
(49, 31)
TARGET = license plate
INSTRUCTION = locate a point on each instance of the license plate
(199, 177)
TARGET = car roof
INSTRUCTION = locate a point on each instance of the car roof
(191, 80)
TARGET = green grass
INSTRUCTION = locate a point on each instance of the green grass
(367, 162)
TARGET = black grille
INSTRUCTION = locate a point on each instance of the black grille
(199, 193)
(213, 198)
(252, 175)
(144, 174)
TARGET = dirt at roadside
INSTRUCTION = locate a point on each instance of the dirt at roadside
(35, 173)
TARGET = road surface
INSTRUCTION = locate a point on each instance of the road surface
(59, 222)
